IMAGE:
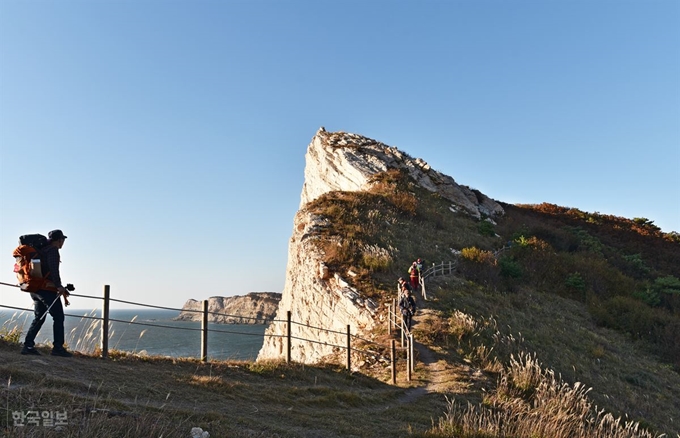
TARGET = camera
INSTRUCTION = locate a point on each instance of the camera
(70, 287)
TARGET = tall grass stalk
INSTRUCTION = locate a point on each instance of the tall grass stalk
(11, 329)
(85, 341)
(140, 337)
(134, 318)
(531, 401)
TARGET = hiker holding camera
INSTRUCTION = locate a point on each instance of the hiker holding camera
(47, 298)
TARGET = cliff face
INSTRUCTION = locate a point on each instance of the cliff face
(342, 161)
(253, 308)
(316, 298)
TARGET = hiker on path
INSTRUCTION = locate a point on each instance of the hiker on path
(401, 284)
(49, 296)
(414, 273)
(407, 305)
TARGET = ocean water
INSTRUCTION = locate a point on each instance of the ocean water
(151, 331)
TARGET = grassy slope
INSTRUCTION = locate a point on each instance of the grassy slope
(627, 377)
(150, 397)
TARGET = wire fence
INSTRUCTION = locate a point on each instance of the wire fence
(443, 268)
(349, 346)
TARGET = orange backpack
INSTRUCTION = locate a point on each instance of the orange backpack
(27, 264)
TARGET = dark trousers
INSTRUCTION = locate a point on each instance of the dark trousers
(42, 300)
(407, 317)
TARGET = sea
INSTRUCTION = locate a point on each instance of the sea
(146, 331)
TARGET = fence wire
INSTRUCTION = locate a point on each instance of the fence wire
(400, 325)
(132, 322)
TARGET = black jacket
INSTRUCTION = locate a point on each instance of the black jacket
(50, 260)
(407, 304)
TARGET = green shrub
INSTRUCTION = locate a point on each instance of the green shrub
(648, 295)
(637, 265)
(575, 281)
(587, 242)
(510, 268)
(668, 290)
(486, 228)
(667, 285)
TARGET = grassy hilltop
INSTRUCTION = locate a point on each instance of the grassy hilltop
(572, 329)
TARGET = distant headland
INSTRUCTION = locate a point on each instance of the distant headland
(253, 308)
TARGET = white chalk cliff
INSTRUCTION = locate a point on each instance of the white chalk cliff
(338, 161)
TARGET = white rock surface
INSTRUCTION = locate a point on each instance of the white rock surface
(315, 301)
(317, 298)
(342, 161)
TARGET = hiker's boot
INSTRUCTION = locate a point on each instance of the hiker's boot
(61, 352)
(31, 351)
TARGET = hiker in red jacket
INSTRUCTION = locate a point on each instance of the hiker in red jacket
(414, 273)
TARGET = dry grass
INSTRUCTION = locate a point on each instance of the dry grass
(532, 402)
(132, 396)
(630, 387)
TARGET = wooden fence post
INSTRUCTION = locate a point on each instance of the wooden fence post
(349, 351)
(104, 344)
(408, 361)
(403, 332)
(288, 336)
(393, 357)
(394, 312)
(412, 362)
(204, 332)
(389, 319)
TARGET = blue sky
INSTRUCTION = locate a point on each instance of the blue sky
(167, 138)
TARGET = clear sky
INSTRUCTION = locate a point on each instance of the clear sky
(167, 138)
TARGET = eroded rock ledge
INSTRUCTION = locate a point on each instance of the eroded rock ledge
(253, 308)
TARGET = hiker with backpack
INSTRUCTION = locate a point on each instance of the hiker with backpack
(401, 284)
(407, 305)
(46, 281)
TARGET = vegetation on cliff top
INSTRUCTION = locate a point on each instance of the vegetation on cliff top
(620, 276)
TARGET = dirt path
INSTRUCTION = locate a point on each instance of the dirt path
(440, 376)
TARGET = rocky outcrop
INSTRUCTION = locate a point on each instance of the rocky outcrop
(253, 308)
(323, 304)
(342, 161)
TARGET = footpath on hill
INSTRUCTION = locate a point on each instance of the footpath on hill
(439, 375)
